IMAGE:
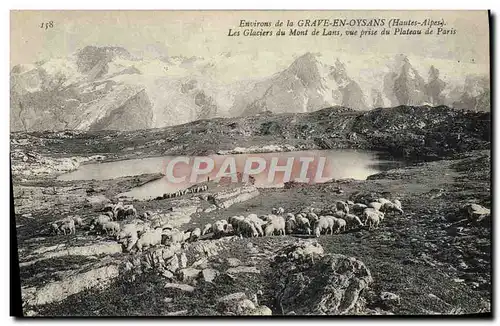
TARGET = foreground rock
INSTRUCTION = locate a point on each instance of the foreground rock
(312, 283)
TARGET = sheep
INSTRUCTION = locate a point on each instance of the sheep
(186, 236)
(149, 239)
(397, 203)
(117, 209)
(206, 229)
(303, 222)
(340, 225)
(372, 220)
(339, 214)
(219, 227)
(235, 221)
(247, 228)
(68, 226)
(111, 228)
(375, 205)
(176, 236)
(278, 211)
(257, 223)
(390, 207)
(78, 220)
(325, 224)
(129, 210)
(146, 215)
(313, 218)
(289, 216)
(110, 214)
(97, 222)
(276, 224)
(367, 212)
(55, 228)
(342, 206)
(383, 201)
(353, 221)
(108, 208)
(195, 235)
(129, 235)
(350, 202)
(290, 226)
(358, 207)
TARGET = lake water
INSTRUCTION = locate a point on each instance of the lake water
(338, 164)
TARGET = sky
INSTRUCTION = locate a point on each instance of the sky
(204, 33)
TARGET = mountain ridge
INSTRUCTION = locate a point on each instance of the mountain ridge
(86, 90)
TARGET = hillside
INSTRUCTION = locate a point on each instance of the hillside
(404, 131)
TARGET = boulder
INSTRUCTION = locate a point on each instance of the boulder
(209, 274)
(189, 274)
(235, 304)
(390, 298)
(233, 262)
(243, 269)
(182, 287)
(331, 285)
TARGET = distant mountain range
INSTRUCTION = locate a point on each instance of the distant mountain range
(105, 88)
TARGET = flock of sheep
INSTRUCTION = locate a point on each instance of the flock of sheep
(141, 232)
(191, 190)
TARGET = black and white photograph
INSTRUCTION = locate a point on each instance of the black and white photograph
(280, 163)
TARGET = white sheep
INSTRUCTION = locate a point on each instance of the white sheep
(110, 214)
(397, 203)
(246, 228)
(342, 206)
(219, 228)
(129, 210)
(68, 226)
(339, 214)
(257, 223)
(340, 225)
(186, 236)
(303, 222)
(372, 220)
(195, 235)
(78, 220)
(290, 226)
(367, 211)
(129, 235)
(276, 224)
(176, 236)
(375, 205)
(111, 228)
(383, 201)
(99, 221)
(313, 218)
(391, 207)
(55, 228)
(118, 210)
(289, 216)
(325, 224)
(353, 221)
(358, 207)
(278, 211)
(206, 229)
(149, 239)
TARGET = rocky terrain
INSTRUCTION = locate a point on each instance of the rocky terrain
(433, 259)
(107, 88)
